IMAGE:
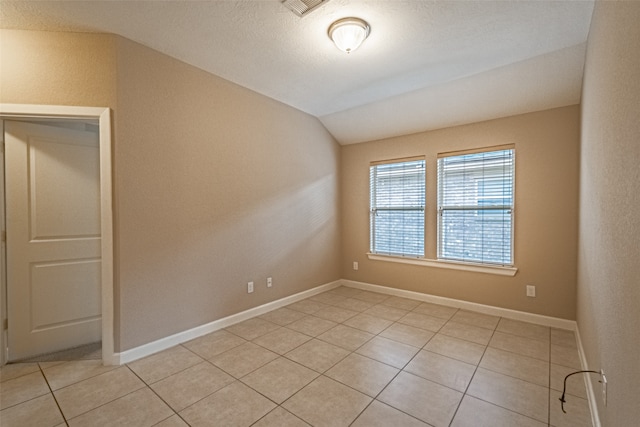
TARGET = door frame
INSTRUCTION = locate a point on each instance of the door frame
(103, 115)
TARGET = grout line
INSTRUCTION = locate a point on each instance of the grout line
(64, 417)
(477, 366)
(159, 397)
(350, 353)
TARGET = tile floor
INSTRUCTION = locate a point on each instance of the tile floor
(345, 357)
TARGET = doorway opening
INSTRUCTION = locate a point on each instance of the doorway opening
(97, 264)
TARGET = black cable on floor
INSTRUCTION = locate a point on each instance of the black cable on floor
(564, 389)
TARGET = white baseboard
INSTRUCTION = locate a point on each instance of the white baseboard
(496, 311)
(173, 340)
(591, 395)
(181, 337)
(481, 308)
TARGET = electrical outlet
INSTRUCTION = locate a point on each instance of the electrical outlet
(603, 380)
(531, 291)
(269, 282)
(355, 265)
(249, 287)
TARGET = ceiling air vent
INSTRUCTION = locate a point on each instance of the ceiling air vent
(302, 7)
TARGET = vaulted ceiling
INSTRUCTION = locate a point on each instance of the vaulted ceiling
(426, 64)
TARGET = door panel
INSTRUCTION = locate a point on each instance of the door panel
(55, 211)
(53, 238)
(70, 281)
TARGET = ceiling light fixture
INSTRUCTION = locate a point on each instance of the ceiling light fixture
(349, 33)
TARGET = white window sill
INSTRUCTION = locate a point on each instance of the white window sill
(478, 268)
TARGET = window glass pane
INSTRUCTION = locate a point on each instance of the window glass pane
(397, 199)
(476, 235)
(475, 204)
(399, 232)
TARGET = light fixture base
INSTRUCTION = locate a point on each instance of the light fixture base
(349, 33)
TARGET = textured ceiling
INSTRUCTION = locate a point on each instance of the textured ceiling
(426, 64)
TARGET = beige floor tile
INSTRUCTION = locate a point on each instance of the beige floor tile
(509, 387)
(307, 306)
(346, 291)
(354, 304)
(364, 322)
(476, 319)
(311, 325)
(515, 365)
(477, 413)
(89, 394)
(160, 365)
(241, 360)
(67, 373)
(15, 370)
(423, 399)
(215, 343)
(280, 417)
(22, 388)
(282, 340)
(372, 297)
(279, 379)
(436, 310)
(442, 370)
(317, 355)
(379, 414)
(575, 383)
(325, 402)
(45, 365)
(455, 348)
(467, 332)
(422, 321)
(516, 395)
(252, 328)
(406, 334)
(187, 387)
(335, 314)
(138, 409)
(388, 351)
(172, 421)
(577, 411)
(363, 374)
(565, 356)
(524, 329)
(520, 345)
(41, 412)
(234, 405)
(401, 303)
(346, 337)
(328, 298)
(563, 337)
(386, 312)
(282, 316)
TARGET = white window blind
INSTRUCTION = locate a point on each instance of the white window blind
(475, 206)
(397, 200)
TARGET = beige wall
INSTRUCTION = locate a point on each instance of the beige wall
(214, 185)
(609, 233)
(547, 145)
(51, 68)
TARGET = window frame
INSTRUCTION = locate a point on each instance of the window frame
(503, 207)
(374, 208)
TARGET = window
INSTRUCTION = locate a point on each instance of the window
(397, 200)
(475, 206)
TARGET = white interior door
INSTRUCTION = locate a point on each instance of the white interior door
(53, 238)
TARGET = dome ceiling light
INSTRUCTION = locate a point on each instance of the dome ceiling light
(349, 33)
